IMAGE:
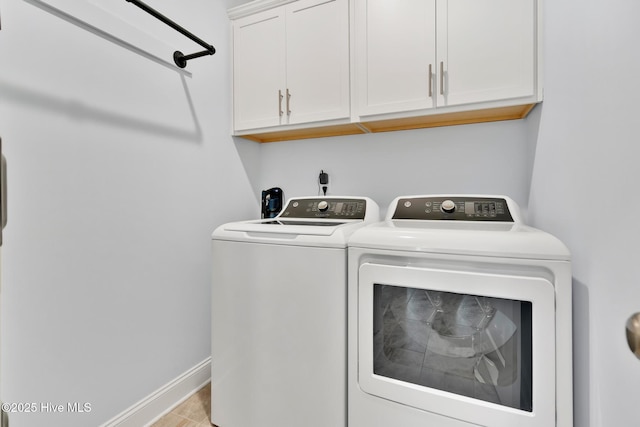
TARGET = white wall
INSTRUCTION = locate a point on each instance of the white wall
(490, 158)
(119, 170)
(585, 190)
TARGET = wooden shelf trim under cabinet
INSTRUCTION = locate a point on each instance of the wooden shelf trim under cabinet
(405, 123)
(316, 132)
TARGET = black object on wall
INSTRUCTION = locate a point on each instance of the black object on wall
(178, 57)
(272, 202)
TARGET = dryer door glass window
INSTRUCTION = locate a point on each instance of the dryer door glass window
(473, 346)
(470, 345)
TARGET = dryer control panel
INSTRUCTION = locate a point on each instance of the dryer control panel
(461, 208)
(325, 208)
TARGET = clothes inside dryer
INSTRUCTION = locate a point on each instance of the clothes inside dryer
(476, 346)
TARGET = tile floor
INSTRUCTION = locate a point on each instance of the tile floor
(193, 412)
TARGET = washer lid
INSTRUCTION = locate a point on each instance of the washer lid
(325, 234)
(306, 221)
(289, 226)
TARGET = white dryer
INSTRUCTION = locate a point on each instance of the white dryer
(279, 315)
(459, 316)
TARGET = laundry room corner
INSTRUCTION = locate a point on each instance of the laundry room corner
(120, 166)
(499, 137)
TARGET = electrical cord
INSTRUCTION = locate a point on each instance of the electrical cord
(323, 182)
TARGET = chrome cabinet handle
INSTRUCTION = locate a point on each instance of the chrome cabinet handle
(441, 77)
(288, 103)
(430, 80)
(280, 103)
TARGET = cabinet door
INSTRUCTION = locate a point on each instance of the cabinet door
(486, 49)
(258, 69)
(395, 51)
(317, 60)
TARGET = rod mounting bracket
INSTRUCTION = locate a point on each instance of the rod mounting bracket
(178, 58)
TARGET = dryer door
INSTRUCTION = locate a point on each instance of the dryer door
(471, 346)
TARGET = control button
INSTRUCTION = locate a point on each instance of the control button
(295, 204)
(448, 206)
(323, 206)
(407, 204)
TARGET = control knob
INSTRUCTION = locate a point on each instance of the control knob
(323, 206)
(448, 206)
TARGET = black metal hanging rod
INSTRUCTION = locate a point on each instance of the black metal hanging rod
(178, 57)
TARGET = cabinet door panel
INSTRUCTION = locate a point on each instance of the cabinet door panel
(487, 48)
(318, 60)
(395, 45)
(259, 69)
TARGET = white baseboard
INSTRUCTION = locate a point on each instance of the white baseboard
(160, 402)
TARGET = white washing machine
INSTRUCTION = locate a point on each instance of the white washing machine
(459, 316)
(279, 315)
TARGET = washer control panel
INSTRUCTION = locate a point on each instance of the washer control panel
(453, 208)
(325, 208)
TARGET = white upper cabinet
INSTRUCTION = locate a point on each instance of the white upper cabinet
(416, 64)
(486, 49)
(318, 60)
(258, 69)
(395, 49)
(413, 55)
(291, 65)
